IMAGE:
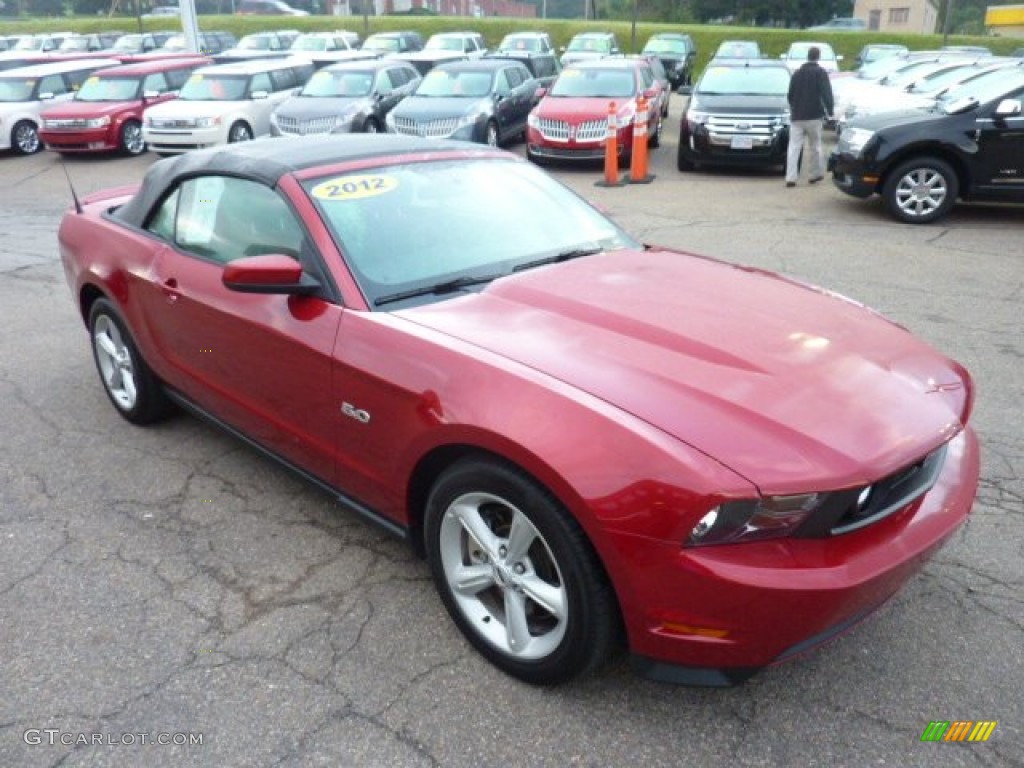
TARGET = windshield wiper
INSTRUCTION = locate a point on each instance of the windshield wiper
(575, 253)
(448, 286)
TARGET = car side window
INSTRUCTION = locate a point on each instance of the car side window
(155, 82)
(501, 83)
(52, 84)
(261, 82)
(176, 78)
(282, 79)
(223, 219)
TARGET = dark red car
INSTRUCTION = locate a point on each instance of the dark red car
(106, 113)
(571, 121)
(581, 433)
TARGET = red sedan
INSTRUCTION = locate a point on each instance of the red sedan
(592, 441)
(571, 121)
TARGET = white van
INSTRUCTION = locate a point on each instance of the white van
(26, 91)
(222, 104)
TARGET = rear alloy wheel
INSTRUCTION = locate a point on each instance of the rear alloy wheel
(239, 132)
(517, 574)
(654, 140)
(131, 138)
(491, 134)
(921, 190)
(25, 138)
(129, 383)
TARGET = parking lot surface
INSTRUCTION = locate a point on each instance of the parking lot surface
(169, 584)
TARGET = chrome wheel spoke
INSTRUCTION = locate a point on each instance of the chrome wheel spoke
(472, 579)
(548, 596)
(521, 536)
(474, 525)
(107, 346)
(517, 631)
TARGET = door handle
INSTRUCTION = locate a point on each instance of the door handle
(170, 288)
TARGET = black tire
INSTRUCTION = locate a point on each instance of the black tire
(371, 125)
(133, 389)
(25, 138)
(131, 138)
(683, 161)
(654, 140)
(499, 608)
(921, 190)
(491, 136)
(239, 131)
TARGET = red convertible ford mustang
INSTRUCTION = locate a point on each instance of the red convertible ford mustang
(593, 442)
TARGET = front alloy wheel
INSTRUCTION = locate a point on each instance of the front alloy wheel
(131, 138)
(239, 132)
(921, 190)
(517, 574)
(25, 138)
(491, 134)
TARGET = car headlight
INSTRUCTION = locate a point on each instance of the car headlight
(853, 140)
(466, 120)
(98, 122)
(753, 519)
(697, 117)
(533, 120)
(206, 122)
(389, 121)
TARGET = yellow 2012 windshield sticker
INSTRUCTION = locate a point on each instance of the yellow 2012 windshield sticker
(354, 187)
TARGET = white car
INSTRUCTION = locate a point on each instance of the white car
(223, 104)
(27, 91)
(796, 56)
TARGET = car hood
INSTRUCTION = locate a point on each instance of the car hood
(304, 107)
(576, 108)
(89, 109)
(430, 107)
(795, 388)
(918, 117)
(740, 104)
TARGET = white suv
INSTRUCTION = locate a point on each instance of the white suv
(26, 91)
(223, 104)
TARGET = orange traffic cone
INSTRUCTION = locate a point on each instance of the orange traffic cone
(638, 163)
(611, 151)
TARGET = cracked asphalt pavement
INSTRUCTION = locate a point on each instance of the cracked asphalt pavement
(171, 581)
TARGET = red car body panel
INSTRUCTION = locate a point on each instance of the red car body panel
(640, 403)
(77, 138)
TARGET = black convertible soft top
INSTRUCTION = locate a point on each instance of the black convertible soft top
(267, 160)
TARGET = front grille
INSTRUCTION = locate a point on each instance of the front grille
(69, 124)
(158, 122)
(560, 130)
(726, 130)
(310, 127)
(431, 129)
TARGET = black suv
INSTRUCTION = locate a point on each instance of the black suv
(738, 115)
(969, 146)
(544, 66)
(678, 55)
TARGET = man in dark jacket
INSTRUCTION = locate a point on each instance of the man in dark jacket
(810, 100)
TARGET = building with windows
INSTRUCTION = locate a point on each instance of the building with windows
(907, 16)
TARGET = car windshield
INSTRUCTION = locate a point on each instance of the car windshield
(664, 45)
(798, 51)
(202, 87)
(310, 44)
(29, 44)
(469, 83)
(738, 50)
(876, 70)
(908, 73)
(380, 43)
(17, 88)
(128, 43)
(254, 43)
(326, 84)
(444, 44)
(174, 43)
(874, 53)
(754, 81)
(408, 227)
(599, 44)
(519, 43)
(109, 89)
(938, 80)
(985, 88)
(595, 83)
(74, 44)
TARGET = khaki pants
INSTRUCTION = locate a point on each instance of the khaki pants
(798, 130)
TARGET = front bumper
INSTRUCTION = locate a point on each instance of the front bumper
(715, 615)
(171, 140)
(574, 149)
(850, 176)
(698, 144)
(102, 139)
